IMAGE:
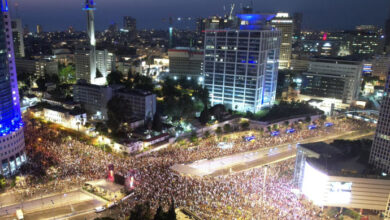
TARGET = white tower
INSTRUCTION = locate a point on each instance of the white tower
(89, 8)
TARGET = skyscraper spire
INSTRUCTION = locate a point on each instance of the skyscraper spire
(4, 5)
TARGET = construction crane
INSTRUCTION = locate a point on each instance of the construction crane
(231, 11)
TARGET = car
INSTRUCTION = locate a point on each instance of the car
(100, 209)
(250, 138)
(328, 124)
(312, 127)
(292, 130)
(19, 214)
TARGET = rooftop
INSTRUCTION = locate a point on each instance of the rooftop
(137, 92)
(341, 158)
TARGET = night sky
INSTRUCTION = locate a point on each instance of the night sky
(318, 14)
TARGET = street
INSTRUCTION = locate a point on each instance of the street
(56, 206)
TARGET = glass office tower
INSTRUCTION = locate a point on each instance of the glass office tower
(241, 63)
(380, 150)
(12, 146)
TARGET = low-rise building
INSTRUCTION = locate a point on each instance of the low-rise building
(73, 119)
(141, 102)
(185, 62)
(93, 98)
(330, 177)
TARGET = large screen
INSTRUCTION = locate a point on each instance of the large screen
(314, 184)
(339, 192)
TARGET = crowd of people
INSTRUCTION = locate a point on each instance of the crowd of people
(69, 163)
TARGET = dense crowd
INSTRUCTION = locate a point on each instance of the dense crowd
(238, 195)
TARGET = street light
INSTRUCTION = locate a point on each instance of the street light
(265, 178)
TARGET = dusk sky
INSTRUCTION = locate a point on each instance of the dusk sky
(318, 14)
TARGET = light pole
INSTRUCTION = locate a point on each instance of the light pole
(265, 178)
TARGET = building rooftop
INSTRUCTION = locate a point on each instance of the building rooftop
(346, 160)
(75, 111)
(138, 92)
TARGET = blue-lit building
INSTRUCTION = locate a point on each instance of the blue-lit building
(241, 63)
(12, 146)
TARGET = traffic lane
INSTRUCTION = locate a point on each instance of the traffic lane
(64, 212)
(47, 202)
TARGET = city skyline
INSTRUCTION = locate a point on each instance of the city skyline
(345, 14)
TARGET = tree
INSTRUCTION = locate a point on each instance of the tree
(115, 77)
(171, 215)
(308, 119)
(227, 128)
(98, 73)
(141, 212)
(41, 82)
(286, 124)
(143, 82)
(160, 214)
(194, 136)
(218, 131)
(204, 116)
(2, 182)
(244, 125)
(207, 134)
(67, 74)
(275, 126)
(117, 112)
(261, 132)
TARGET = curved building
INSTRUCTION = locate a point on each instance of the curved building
(12, 154)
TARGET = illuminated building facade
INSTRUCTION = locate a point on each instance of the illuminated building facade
(380, 66)
(380, 151)
(285, 24)
(329, 78)
(241, 64)
(39, 29)
(85, 57)
(105, 63)
(12, 146)
(330, 177)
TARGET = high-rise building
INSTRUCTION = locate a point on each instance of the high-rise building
(387, 35)
(297, 21)
(12, 146)
(104, 64)
(39, 68)
(380, 66)
(17, 33)
(285, 24)
(241, 63)
(380, 150)
(130, 23)
(335, 79)
(39, 29)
